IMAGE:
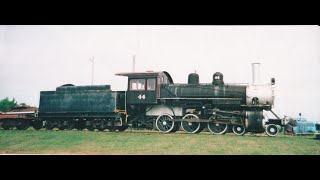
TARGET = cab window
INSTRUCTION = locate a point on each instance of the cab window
(151, 84)
(137, 84)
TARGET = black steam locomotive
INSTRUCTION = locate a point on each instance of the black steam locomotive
(153, 101)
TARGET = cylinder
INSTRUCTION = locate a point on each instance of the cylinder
(255, 73)
(193, 78)
(254, 121)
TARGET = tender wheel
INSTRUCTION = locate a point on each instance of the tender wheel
(239, 129)
(37, 125)
(191, 127)
(111, 128)
(80, 126)
(272, 130)
(68, 125)
(99, 124)
(164, 125)
(61, 126)
(217, 128)
(49, 125)
(5, 126)
(90, 126)
(23, 125)
(121, 128)
(101, 128)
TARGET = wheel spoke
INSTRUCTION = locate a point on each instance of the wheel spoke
(216, 128)
(272, 130)
(239, 130)
(194, 127)
(164, 124)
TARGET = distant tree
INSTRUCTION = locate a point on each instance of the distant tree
(6, 104)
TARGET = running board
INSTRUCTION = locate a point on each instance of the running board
(220, 120)
(190, 120)
(200, 120)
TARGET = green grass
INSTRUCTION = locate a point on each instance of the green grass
(151, 142)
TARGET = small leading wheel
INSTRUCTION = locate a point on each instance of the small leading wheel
(217, 128)
(164, 124)
(272, 130)
(239, 129)
(191, 127)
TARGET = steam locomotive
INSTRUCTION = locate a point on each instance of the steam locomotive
(153, 101)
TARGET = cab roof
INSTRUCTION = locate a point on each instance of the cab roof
(145, 74)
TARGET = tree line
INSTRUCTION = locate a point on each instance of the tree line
(6, 104)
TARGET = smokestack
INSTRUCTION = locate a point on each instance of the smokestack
(255, 73)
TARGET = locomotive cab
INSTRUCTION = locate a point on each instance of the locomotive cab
(144, 87)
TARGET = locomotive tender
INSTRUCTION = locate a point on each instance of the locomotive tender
(153, 101)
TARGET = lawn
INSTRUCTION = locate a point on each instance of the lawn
(151, 142)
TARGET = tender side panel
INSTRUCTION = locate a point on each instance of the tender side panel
(77, 101)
